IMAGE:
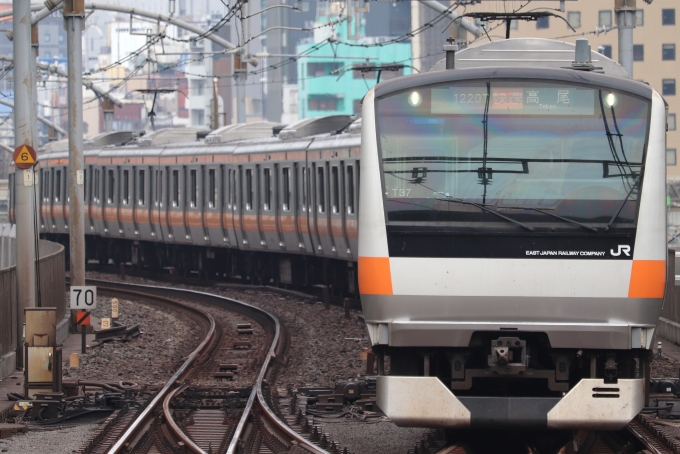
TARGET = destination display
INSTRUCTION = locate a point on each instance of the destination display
(555, 100)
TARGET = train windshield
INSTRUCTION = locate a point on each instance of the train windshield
(531, 151)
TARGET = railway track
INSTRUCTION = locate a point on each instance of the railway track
(186, 418)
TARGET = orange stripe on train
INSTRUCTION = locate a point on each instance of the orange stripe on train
(647, 279)
(375, 277)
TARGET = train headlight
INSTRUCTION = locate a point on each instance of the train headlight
(611, 100)
(415, 99)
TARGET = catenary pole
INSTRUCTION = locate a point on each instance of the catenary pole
(24, 180)
(74, 14)
(625, 21)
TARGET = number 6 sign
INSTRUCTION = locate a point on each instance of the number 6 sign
(83, 297)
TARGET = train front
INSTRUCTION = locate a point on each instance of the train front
(512, 246)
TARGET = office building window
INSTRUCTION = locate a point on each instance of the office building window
(668, 87)
(605, 50)
(638, 52)
(668, 51)
(324, 102)
(671, 157)
(48, 37)
(604, 19)
(543, 22)
(640, 18)
(670, 122)
(322, 68)
(668, 16)
(61, 37)
(574, 19)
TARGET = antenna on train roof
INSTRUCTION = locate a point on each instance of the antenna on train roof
(582, 57)
(450, 48)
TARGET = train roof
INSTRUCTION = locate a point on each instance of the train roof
(528, 53)
(565, 75)
(335, 131)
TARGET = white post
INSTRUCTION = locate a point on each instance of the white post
(74, 13)
(25, 205)
(625, 21)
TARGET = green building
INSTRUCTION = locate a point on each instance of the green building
(336, 76)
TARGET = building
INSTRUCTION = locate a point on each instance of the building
(334, 79)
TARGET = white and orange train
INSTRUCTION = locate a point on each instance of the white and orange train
(511, 243)
(512, 239)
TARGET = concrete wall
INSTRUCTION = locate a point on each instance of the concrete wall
(52, 294)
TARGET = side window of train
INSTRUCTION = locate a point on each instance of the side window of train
(111, 183)
(350, 190)
(194, 188)
(57, 186)
(96, 186)
(304, 189)
(267, 189)
(126, 187)
(286, 188)
(321, 200)
(249, 189)
(335, 196)
(175, 188)
(142, 187)
(212, 189)
(158, 196)
(46, 186)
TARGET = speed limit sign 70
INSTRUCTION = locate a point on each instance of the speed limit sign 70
(83, 297)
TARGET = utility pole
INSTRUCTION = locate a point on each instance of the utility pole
(625, 21)
(24, 181)
(33, 69)
(74, 16)
(214, 107)
(240, 70)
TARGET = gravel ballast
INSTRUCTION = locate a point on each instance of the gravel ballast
(60, 441)
(167, 338)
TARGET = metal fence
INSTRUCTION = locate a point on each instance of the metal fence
(51, 293)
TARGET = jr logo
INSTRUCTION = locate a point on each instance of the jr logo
(622, 248)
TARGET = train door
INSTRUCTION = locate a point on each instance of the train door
(287, 224)
(167, 199)
(351, 170)
(304, 209)
(97, 206)
(337, 212)
(192, 216)
(125, 206)
(212, 205)
(110, 200)
(322, 211)
(44, 199)
(250, 222)
(156, 193)
(239, 206)
(87, 190)
(268, 230)
(142, 218)
(175, 209)
(59, 200)
(254, 225)
(226, 213)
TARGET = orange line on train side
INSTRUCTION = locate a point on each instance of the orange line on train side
(375, 277)
(647, 279)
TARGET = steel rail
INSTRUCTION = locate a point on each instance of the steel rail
(141, 420)
(188, 442)
(256, 394)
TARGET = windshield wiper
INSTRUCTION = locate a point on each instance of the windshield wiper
(482, 207)
(623, 204)
(571, 221)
